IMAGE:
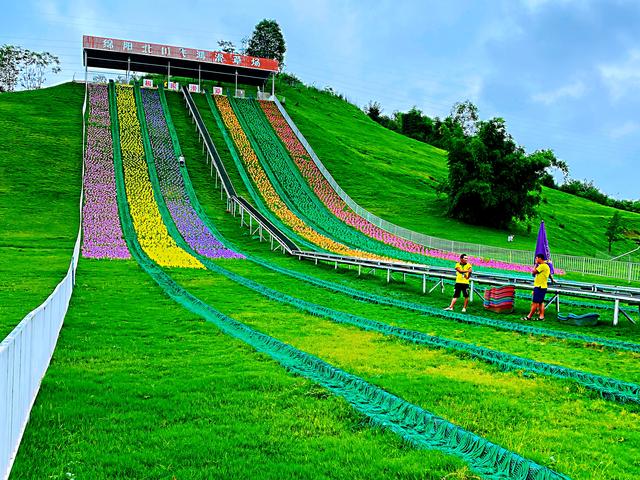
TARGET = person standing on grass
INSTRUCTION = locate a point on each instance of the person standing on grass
(463, 273)
(541, 274)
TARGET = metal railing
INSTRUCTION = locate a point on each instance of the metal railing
(263, 224)
(212, 153)
(592, 291)
(590, 266)
(26, 352)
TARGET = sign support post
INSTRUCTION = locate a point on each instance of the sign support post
(236, 94)
(168, 71)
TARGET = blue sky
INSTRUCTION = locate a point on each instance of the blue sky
(565, 74)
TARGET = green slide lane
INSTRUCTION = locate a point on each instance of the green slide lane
(416, 425)
(608, 387)
(255, 196)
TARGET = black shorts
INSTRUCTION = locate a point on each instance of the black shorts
(538, 294)
(461, 288)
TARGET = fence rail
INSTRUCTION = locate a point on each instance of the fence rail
(627, 271)
(26, 352)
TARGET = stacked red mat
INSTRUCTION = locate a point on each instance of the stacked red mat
(499, 299)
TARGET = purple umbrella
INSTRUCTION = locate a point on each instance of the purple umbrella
(542, 246)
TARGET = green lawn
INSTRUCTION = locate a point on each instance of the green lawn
(395, 177)
(40, 180)
(506, 408)
(141, 388)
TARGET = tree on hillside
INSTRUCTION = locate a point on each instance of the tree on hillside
(289, 79)
(267, 41)
(415, 125)
(491, 179)
(373, 110)
(555, 164)
(585, 189)
(28, 68)
(35, 67)
(10, 60)
(615, 229)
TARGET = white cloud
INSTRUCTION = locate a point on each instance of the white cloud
(625, 129)
(573, 90)
(622, 78)
(533, 6)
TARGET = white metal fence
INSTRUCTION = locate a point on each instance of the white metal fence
(591, 266)
(26, 352)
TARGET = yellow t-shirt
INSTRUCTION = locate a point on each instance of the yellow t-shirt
(460, 278)
(543, 276)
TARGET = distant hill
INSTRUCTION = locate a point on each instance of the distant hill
(394, 177)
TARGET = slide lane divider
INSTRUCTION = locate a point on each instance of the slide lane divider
(607, 387)
(385, 300)
(414, 424)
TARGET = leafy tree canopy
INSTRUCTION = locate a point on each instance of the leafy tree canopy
(615, 229)
(24, 67)
(492, 181)
(267, 41)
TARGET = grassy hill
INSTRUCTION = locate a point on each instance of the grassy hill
(395, 177)
(141, 388)
(40, 179)
(166, 395)
(387, 173)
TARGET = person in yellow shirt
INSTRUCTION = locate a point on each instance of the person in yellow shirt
(541, 274)
(463, 273)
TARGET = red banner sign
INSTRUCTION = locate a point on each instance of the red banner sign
(179, 53)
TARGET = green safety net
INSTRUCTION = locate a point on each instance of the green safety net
(414, 424)
(386, 300)
(607, 387)
(255, 196)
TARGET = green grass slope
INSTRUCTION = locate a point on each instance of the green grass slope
(145, 389)
(40, 181)
(476, 396)
(141, 388)
(395, 177)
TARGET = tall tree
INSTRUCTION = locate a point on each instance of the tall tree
(267, 41)
(615, 229)
(28, 68)
(35, 67)
(491, 179)
(373, 110)
(11, 58)
(554, 164)
(465, 114)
